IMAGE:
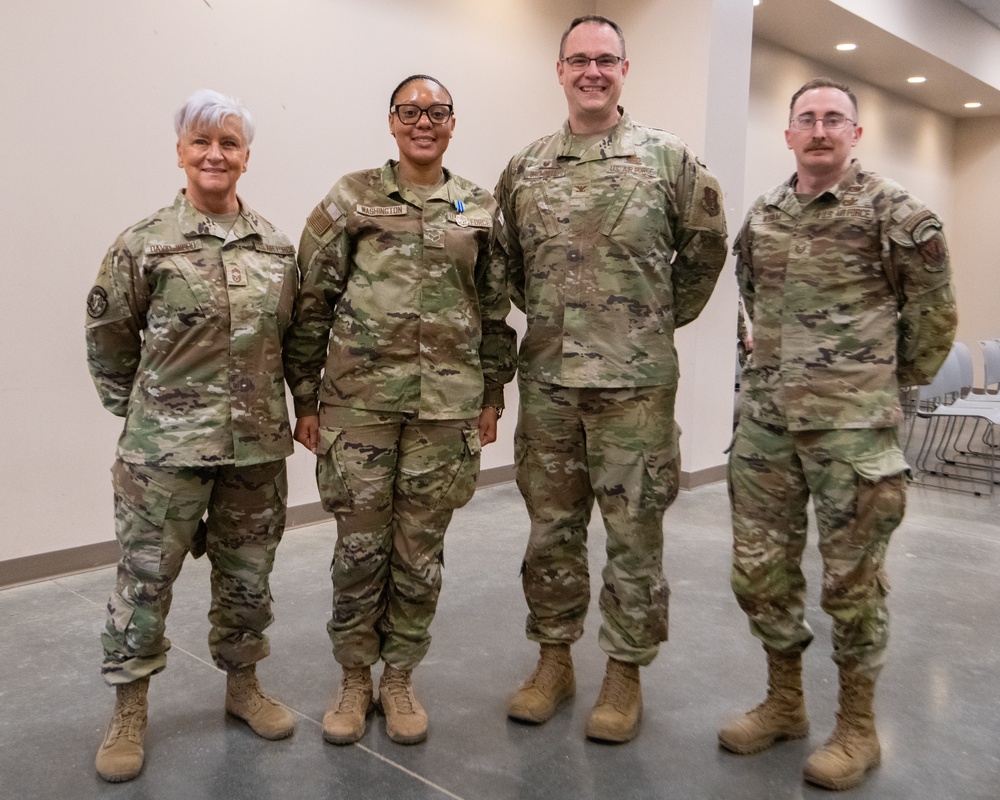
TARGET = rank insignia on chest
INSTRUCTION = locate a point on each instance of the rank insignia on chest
(236, 276)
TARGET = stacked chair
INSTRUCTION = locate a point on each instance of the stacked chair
(961, 424)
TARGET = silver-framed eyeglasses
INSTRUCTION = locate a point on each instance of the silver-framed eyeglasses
(831, 122)
(604, 63)
(410, 114)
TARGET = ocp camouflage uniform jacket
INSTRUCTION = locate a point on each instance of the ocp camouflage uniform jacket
(850, 297)
(612, 247)
(403, 302)
(184, 329)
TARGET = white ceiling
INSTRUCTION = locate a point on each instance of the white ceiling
(813, 28)
(987, 9)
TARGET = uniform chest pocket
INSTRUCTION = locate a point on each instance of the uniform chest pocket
(186, 295)
(637, 218)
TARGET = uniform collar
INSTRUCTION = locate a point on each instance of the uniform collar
(391, 187)
(194, 223)
(848, 179)
(620, 142)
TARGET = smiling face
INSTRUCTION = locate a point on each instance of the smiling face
(823, 155)
(421, 145)
(592, 94)
(213, 158)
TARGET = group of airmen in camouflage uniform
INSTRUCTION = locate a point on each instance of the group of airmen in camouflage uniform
(391, 333)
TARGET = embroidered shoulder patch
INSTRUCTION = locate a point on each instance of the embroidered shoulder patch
(97, 302)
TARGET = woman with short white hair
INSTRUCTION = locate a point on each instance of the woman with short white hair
(184, 330)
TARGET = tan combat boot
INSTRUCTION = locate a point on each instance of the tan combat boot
(782, 715)
(244, 700)
(120, 755)
(616, 714)
(550, 684)
(405, 718)
(853, 748)
(344, 722)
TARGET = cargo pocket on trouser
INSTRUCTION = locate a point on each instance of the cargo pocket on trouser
(136, 610)
(463, 484)
(881, 502)
(331, 474)
(141, 507)
(663, 474)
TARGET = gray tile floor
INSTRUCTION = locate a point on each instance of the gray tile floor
(938, 703)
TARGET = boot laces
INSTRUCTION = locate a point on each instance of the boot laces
(616, 688)
(397, 686)
(546, 673)
(128, 718)
(354, 692)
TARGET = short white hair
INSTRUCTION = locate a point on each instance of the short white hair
(211, 108)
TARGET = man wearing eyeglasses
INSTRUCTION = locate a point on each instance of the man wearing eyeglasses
(616, 236)
(846, 278)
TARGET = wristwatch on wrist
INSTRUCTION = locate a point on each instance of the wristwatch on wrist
(498, 409)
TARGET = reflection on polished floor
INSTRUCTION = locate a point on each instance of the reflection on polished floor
(938, 703)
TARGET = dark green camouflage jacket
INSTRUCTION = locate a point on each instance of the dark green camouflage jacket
(184, 329)
(612, 247)
(850, 297)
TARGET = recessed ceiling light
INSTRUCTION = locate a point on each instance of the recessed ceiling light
(847, 46)
(916, 79)
(756, 2)
(973, 105)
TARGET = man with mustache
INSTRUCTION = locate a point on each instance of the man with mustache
(616, 236)
(846, 278)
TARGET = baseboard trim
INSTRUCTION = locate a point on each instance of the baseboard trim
(703, 477)
(59, 563)
(72, 560)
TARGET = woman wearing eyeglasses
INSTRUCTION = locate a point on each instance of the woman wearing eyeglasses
(397, 358)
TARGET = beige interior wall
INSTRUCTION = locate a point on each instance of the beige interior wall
(973, 243)
(911, 144)
(88, 96)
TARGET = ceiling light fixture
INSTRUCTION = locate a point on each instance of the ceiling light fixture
(973, 105)
(756, 2)
(847, 46)
(916, 79)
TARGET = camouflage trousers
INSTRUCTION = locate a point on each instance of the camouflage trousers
(857, 484)
(393, 483)
(158, 521)
(619, 446)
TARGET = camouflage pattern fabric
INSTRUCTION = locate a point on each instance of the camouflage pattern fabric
(619, 446)
(402, 299)
(184, 328)
(158, 520)
(856, 479)
(393, 482)
(612, 247)
(850, 296)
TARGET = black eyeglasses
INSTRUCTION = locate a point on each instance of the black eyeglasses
(604, 63)
(410, 114)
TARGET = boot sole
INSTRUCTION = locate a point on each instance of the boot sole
(271, 736)
(763, 744)
(846, 783)
(620, 738)
(537, 719)
(334, 738)
(416, 738)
